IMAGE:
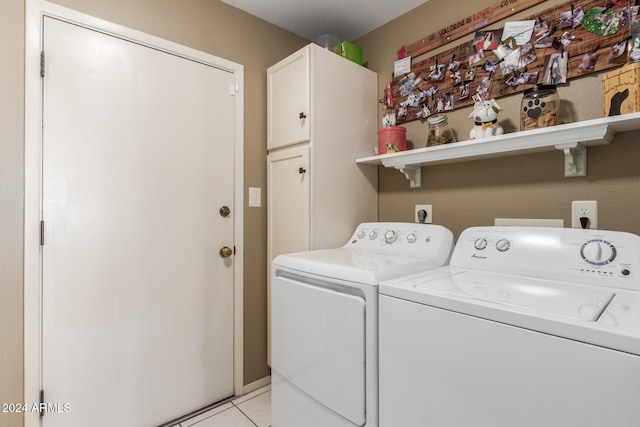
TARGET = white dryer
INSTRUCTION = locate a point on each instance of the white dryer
(526, 327)
(324, 305)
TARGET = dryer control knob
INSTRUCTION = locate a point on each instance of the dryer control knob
(361, 234)
(373, 234)
(480, 243)
(390, 236)
(411, 238)
(503, 245)
(598, 252)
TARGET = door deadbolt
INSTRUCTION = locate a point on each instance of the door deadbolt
(226, 252)
(225, 211)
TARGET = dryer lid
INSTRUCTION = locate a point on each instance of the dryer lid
(354, 265)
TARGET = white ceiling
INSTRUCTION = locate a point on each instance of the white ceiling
(346, 19)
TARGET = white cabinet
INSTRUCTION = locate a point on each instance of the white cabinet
(333, 194)
(322, 114)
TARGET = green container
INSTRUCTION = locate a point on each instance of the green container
(349, 51)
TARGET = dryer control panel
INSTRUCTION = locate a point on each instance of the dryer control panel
(599, 257)
(403, 239)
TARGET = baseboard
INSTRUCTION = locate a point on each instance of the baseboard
(248, 388)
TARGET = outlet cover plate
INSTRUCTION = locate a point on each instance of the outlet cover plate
(255, 197)
(584, 208)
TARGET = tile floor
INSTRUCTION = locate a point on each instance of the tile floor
(250, 410)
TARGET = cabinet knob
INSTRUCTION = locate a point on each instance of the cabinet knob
(225, 211)
(302, 170)
(303, 116)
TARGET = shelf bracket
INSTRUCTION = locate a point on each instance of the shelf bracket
(575, 159)
(413, 174)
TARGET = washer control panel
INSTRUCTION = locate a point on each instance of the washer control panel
(399, 238)
(610, 258)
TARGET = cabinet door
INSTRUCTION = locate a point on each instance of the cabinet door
(288, 98)
(288, 186)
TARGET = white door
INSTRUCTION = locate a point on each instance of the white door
(137, 161)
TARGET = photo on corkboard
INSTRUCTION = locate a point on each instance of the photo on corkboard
(634, 43)
(588, 62)
(555, 69)
(487, 40)
(617, 50)
(518, 79)
(571, 18)
(542, 32)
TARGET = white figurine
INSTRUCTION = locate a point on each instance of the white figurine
(485, 115)
(389, 119)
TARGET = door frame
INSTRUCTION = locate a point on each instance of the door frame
(35, 11)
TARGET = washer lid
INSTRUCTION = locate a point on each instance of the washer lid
(543, 296)
(603, 316)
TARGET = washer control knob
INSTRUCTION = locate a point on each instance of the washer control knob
(411, 237)
(373, 234)
(598, 252)
(503, 245)
(390, 236)
(361, 234)
(480, 243)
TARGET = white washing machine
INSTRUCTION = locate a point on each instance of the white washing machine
(324, 308)
(526, 327)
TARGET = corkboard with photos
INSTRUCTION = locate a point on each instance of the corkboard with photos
(566, 41)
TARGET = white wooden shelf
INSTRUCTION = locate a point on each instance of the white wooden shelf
(570, 139)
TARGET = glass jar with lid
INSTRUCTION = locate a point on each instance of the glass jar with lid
(439, 131)
(540, 107)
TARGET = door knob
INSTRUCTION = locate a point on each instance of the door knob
(225, 211)
(226, 252)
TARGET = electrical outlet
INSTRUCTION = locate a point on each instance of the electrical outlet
(584, 209)
(428, 209)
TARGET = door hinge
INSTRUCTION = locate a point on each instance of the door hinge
(41, 407)
(41, 233)
(42, 63)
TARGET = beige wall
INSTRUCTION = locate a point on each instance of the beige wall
(207, 25)
(11, 201)
(531, 186)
